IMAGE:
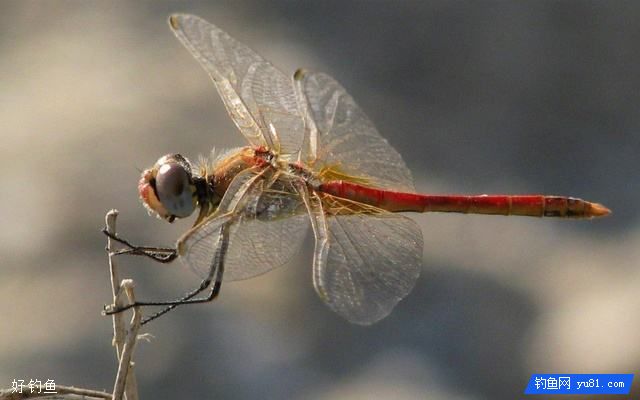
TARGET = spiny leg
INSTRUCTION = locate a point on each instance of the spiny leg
(187, 299)
(158, 254)
(217, 269)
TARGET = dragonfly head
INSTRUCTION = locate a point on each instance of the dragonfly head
(167, 189)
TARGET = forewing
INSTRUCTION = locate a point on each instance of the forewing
(368, 264)
(259, 98)
(341, 136)
(267, 227)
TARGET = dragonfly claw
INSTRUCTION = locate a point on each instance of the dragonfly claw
(110, 309)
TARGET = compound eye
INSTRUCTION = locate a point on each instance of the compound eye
(174, 189)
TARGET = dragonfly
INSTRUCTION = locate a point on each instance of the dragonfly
(313, 161)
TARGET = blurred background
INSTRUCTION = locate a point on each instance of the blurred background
(479, 97)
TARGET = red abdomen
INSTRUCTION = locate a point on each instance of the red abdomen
(526, 205)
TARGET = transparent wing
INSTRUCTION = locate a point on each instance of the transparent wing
(267, 227)
(342, 139)
(367, 264)
(259, 98)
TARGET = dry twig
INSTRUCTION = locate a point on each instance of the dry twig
(123, 340)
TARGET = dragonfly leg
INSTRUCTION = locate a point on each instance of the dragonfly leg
(159, 254)
(216, 271)
(186, 299)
